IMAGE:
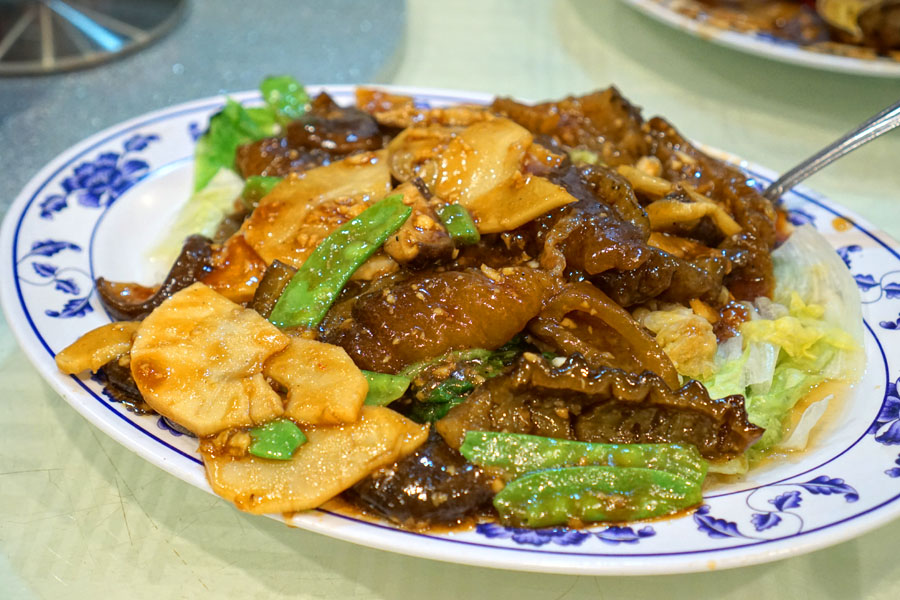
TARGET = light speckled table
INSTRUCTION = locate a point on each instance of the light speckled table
(80, 517)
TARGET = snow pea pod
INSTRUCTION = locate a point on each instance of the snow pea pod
(384, 388)
(276, 440)
(459, 224)
(320, 279)
(518, 454)
(591, 494)
(454, 356)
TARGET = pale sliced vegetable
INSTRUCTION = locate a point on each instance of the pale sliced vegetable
(332, 459)
(198, 358)
(677, 246)
(516, 202)
(643, 182)
(97, 347)
(650, 165)
(302, 210)
(666, 212)
(479, 168)
(704, 310)
(412, 153)
(719, 215)
(324, 387)
(482, 157)
(375, 100)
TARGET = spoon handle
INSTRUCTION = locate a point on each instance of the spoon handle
(881, 123)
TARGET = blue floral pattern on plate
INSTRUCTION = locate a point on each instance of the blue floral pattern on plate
(62, 279)
(565, 536)
(100, 182)
(778, 509)
(874, 287)
(886, 427)
(94, 184)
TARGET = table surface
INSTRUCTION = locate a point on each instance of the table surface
(82, 517)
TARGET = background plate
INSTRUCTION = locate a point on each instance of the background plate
(98, 207)
(762, 44)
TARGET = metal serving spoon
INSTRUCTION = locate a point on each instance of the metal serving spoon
(881, 123)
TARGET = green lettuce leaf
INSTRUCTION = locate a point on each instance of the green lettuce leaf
(285, 97)
(232, 126)
(814, 326)
(286, 100)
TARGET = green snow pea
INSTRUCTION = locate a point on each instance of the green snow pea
(589, 494)
(384, 388)
(459, 224)
(518, 454)
(277, 440)
(317, 283)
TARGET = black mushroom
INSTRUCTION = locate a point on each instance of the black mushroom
(593, 235)
(119, 385)
(573, 401)
(327, 133)
(125, 301)
(434, 485)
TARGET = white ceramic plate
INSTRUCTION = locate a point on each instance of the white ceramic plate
(763, 44)
(97, 207)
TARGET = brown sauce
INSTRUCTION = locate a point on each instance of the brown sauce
(348, 509)
(837, 393)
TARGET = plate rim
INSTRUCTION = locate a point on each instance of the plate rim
(505, 558)
(786, 52)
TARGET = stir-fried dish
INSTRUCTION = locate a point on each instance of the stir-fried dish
(856, 28)
(547, 314)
